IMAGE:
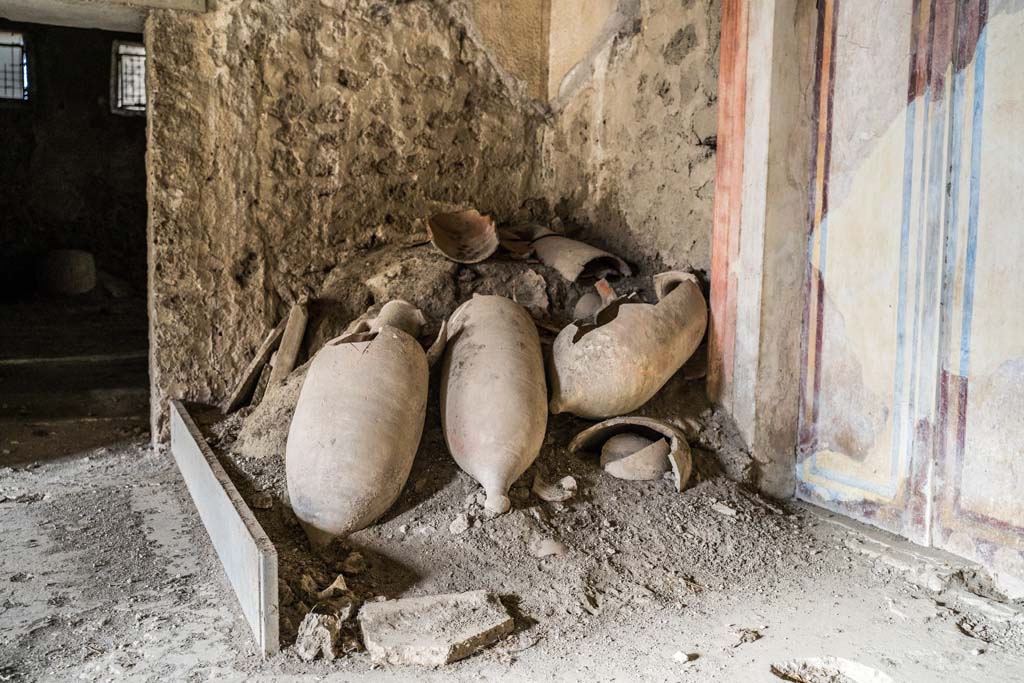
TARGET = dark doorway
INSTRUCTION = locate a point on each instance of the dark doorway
(73, 329)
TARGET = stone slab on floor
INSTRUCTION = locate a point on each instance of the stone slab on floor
(434, 630)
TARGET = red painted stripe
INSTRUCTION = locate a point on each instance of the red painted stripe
(732, 104)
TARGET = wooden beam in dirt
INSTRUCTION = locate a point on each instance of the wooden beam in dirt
(288, 353)
(247, 383)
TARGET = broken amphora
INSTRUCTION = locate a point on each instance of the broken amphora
(653, 431)
(493, 394)
(617, 363)
(357, 424)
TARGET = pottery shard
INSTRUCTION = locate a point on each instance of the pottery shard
(634, 457)
(434, 630)
(464, 236)
(318, 634)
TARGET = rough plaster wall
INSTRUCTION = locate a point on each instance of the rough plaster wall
(630, 155)
(286, 136)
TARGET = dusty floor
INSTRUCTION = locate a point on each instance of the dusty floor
(107, 574)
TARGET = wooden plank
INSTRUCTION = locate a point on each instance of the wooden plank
(247, 383)
(288, 352)
(246, 553)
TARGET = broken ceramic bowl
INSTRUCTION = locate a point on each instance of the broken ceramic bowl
(357, 425)
(593, 439)
(635, 457)
(463, 236)
(619, 362)
(493, 394)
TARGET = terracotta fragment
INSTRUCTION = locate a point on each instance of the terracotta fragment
(357, 425)
(463, 236)
(592, 439)
(559, 492)
(576, 260)
(493, 394)
(617, 363)
(634, 457)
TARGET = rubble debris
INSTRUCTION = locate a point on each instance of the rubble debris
(576, 261)
(546, 547)
(460, 524)
(684, 658)
(262, 500)
(723, 509)
(828, 670)
(493, 394)
(590, 440)
(291, 342)
(338, 588)
(307, 584)
(616, 364)
(635, 457)
(319, 634)
(530, 292)
(433, 630)
(463, 236)
(554, 493)
(747, 635)
(355, 563)
(68, 272)
(356, 429)
(247, 382)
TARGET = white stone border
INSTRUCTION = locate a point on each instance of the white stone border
(245, 551)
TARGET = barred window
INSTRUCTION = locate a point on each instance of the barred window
(128, 78)
(13, 66)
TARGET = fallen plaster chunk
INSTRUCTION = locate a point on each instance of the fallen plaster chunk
(463, 236)
(828, 670)
(554, 493)
(723, 509)
(530, 290)
(318, 634)
(593, 438)
(460, 524)
(546, 547)
(434, 630)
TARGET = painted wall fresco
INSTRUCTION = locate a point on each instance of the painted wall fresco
(914, 336)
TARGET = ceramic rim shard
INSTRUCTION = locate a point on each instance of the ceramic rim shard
(463, 236)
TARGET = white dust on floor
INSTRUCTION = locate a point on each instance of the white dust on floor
(107, 574)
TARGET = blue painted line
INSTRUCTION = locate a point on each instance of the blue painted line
(975, 199)
(952, 212)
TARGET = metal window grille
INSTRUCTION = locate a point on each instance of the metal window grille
(13, 66)
(129, 77)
